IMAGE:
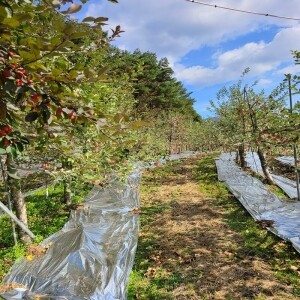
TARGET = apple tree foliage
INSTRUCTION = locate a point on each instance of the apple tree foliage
(253, 120)
(45, 62)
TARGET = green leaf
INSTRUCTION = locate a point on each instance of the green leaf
(24, 140)
(55, 41)
(79, 66)
(103, 71)
(21, 89)
(73, 74)
(11, 22)
(32, 116)
(56, 72)
(28, 16)
(13, 175)
(12, 169)
(13, 151)
(10, 86)
(69, 29)
(88, 19)
(3, 13)
(20, 147)
(139, 124)
(77, 35)
(37, 66)
(46, 115)
(26, 55)
(64, 47)
(118, 117)
(101, 19)
(89, 72)
(2, 151)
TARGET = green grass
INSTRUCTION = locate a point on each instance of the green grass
(256, 241)
(143, 288)
(272, 188)
(206, 175)
(280, 256)
(164, 281)
(46, 215)
(278, 192)
(156, 287)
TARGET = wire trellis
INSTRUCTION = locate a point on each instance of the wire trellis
(244, 11)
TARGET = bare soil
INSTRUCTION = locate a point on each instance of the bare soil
(193, 239)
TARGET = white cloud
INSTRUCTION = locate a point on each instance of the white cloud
(291, 69)
(260, 57)
(173, 28)
(264, 82)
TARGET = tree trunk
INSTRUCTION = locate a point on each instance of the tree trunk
(264, 166)
(241, 155)
(170, 142)
(18, 201)
(67, 194)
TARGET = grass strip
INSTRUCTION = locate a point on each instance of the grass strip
(164, 271)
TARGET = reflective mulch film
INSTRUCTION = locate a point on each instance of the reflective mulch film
(259, 202)
(92, 256)
(287, 160)
(287, 185)
(181, 155)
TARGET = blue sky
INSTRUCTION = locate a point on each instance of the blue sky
(209, 48)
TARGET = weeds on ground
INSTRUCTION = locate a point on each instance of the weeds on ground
(272, 188)
(206, 175)
(145, 282)
(46, 215)
(155, 175)
(255, 241)
(278, 192)
(258, 242)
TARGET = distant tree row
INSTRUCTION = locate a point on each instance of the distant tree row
(264, 123)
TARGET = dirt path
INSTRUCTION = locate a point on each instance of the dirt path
(187, 249)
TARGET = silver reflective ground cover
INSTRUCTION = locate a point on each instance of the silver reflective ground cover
(92, 256)
(259, 202)
(287, 160)
(181, 155)
(287, 185)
